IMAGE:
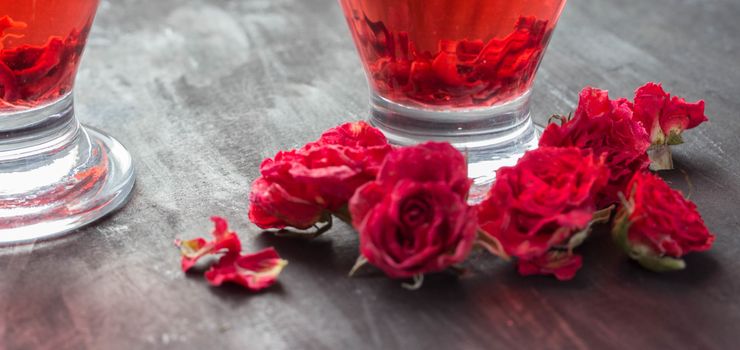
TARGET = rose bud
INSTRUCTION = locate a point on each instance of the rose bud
(299, 188)
(665, 118)
(604, 127)
(414, 219)
(657, 226)
(540, 209)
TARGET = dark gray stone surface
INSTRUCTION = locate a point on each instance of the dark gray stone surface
(200, 91)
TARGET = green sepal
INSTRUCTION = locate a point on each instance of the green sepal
(674, 138)
(578, 238)
(642, 254)
(492, 245)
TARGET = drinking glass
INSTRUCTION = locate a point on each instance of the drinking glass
(55, 175)
(459, 71)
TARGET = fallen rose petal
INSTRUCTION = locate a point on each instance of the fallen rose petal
(194, 249)
(191, 251)
(252, 271)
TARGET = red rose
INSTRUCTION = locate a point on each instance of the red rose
(606, 128)
(665, 117)
(535, 208)
(657, 225)
(414, 218)
(297, 187)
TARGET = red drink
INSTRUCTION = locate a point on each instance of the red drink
(56, 175)
(41, 42)
(451, 53)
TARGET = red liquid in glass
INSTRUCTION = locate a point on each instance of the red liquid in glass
(41, 42)
(451, 53)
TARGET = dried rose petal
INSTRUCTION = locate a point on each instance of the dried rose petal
(29, 74)
(8, 23)
(194, 249)
(459, 72)
(253, 271)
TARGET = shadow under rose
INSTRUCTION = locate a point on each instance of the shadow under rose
(700, 268)
(316, 252)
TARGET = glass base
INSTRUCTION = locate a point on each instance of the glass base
(56, 176)
(490, 137)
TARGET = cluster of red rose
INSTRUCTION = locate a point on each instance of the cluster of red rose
(32, 75)
(462, 73)
(409, 205)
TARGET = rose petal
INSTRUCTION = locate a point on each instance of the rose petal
(271, 206)
(252, 271)
(33, 74)
(223, 241)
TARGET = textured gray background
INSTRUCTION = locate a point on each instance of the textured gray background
(200, 91)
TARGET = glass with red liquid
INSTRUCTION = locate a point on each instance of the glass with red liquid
(55, 175)
(454, 70)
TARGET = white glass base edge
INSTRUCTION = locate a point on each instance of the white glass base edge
(87, 179)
